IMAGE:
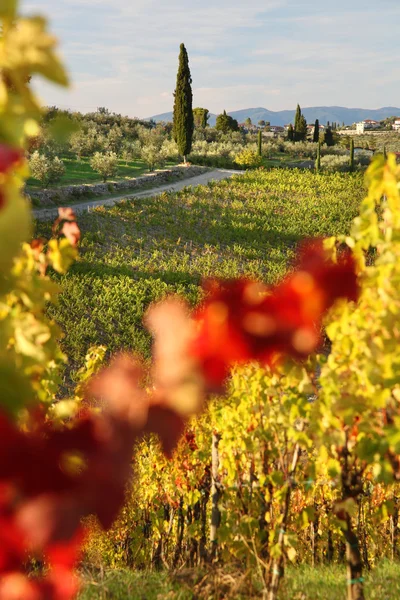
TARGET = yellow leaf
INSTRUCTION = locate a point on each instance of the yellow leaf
(61, 254)
(8, 9)
(291, 553)
(15, 225)
(29, 48)
(31, 128)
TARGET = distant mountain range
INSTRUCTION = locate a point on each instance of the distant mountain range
(338, 114)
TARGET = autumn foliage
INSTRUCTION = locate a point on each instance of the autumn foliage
(243, 320)
(56, 470)
(52, 475)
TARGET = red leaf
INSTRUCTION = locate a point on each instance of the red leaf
(71, 232)
(9, 157)
(66, 214)
(177, 381)
(167, 424)
(117, 389)
(243, 320)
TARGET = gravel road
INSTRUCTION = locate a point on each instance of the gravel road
(45, 214)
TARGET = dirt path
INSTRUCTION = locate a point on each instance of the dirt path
(49, 213)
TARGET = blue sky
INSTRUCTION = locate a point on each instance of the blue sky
(123, 54)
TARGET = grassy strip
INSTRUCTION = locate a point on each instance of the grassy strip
(301, 583)
(79, 172)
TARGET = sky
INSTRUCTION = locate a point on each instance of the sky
(123, 54)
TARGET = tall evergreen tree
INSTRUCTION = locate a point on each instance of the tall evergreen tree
(259, 144)
(302, 130)
(351, 155)
(318, 162)
(183, 110)
(201, 116)
(222, 123)
(329, 140)
(226, 123)
(316, 131)
(297, 119)
(300, 125)
(290, 133)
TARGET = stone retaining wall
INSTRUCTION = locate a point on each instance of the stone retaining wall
(75, 193)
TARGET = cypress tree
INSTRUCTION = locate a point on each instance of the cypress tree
(316, 131)
(222, 123)
(318, 165)
(351, 155)
(297, 117)
(302, 131)
(290, 133)
(259, 146)
(183, 110)
(226, 123)
(384, 153)
(200, 117)
(297, 120)
(329, 140)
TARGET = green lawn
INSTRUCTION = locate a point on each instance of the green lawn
(139, 251)
(301, 583)
(77, 172)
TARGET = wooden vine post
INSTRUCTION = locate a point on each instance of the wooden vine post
(278, 562)
(215, 495)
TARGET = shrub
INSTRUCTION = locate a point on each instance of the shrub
(46, 169)
(332, 164)
(301, 149)
(248, 159)
(362, 159)
(105, 164)
(220, 162)
(334, 151)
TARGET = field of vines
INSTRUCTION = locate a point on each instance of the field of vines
(139, 252)
(196, 401)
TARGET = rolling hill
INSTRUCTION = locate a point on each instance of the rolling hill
(337, 114)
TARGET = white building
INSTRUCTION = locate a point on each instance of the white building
(367, 124)
(396, 125)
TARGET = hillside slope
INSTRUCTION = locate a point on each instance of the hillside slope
(338, 114)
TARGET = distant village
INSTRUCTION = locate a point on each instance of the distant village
(366, 126)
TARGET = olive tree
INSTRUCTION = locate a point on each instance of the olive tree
(105, 164)
(46, 169)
